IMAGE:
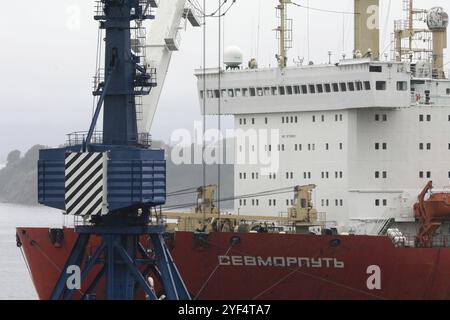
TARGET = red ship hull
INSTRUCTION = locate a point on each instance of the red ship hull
(274, 266)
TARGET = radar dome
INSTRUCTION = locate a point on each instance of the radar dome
(233, 57)
(437, 19)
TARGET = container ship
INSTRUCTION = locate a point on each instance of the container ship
(351, 204)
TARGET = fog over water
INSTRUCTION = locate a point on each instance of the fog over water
(15, 281)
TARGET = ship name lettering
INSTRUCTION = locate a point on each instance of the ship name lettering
(316, 263)
(291, 261)
(301, 260)
(266, 263)
(236, 260)
(280, 262)
(249, 261)
(224, 261)
(338, 264)
(327, 262)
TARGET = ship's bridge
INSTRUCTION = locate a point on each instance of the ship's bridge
(349, 84)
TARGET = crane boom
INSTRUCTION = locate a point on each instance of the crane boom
(164, 39)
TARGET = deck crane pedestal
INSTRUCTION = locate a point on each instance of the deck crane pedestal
(112, 181)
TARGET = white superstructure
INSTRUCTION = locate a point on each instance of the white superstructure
(368, 134)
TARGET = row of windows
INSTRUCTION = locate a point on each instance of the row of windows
(337, 175)
(382, 117)
(289, 202)
(381, 202)
(422, 117)
(326, 175)
(337, 202)
(379, 146)
(382, 174)
(297, 147)
(290, 119)
(301, 89)
(337, 117)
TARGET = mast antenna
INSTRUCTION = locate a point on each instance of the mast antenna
(284, 32)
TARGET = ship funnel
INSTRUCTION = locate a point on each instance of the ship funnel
(437, 21)
(367, 28)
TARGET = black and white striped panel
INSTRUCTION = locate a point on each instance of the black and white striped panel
(85, 187)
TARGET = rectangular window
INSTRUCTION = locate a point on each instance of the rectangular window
(351, 86)
(260, 92)
(320, 88)
(402, 86)
(384, 202)
(217, 94)
(313, 118)
(421, 118)
(237, 92)
(341, 146)
(384, 117)
(210, 94)
(385, 146)
(202, 94)
(252, 92)
(244, 92)
(377, 174)
(375, 69)
(223, 92)
(359, 85)
(428, 117)
(384, 175)
(381, 85)
(377, 117)
(323, 118)
(448, 91)
(421, 174)
(335, 87)
(289, 90)
(327, 88)
(265, 120)
(297, 89)
(312, 88)
(428, 146)
(274, 91)
(428, 174)
(304, 89)
(377, 146)
(377, 202)
(420, 146)
(231, 93)
(343, 86)
(267, 91)
(367, 85)
(282, 91)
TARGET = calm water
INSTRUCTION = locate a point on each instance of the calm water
(15, 282)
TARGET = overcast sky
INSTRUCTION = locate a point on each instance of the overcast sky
(47, 60)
